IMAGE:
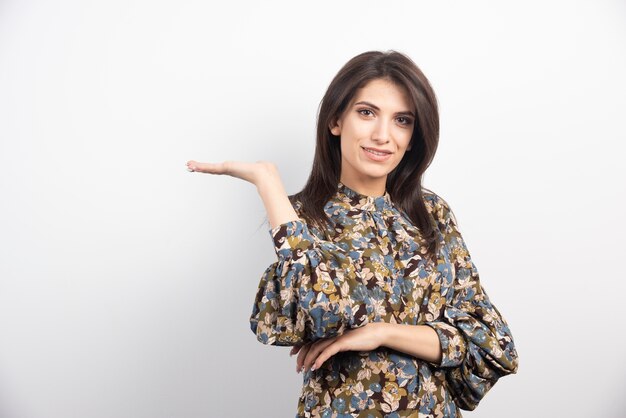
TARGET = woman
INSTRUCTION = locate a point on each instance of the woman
(374, 287)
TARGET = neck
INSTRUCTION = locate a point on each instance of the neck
(369, 188)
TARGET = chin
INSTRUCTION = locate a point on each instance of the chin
(375, 175)
(377, 171)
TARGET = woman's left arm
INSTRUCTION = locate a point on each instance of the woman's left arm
(420, 341)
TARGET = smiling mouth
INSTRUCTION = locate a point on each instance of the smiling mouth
(376, 152)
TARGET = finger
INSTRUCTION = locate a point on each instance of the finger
(315, 350)
(210, 168)
(191, 165)
(301, 355)
(294, 350)
(329, 351)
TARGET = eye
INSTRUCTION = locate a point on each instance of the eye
(366, 112)
(403, 120)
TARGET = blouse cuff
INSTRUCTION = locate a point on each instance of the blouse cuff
(453, 345)
(291, 239)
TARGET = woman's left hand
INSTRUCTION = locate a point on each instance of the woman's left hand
(313, 355)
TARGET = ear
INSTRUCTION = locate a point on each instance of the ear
(335, 127)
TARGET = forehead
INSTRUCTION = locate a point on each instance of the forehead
(383, 92)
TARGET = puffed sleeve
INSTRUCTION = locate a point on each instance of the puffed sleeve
(476, 342)
(313, 291)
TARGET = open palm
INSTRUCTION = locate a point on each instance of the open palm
(251, 172)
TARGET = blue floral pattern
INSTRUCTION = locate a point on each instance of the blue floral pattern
(370, 266)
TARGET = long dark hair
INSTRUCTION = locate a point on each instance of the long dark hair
(404, 182)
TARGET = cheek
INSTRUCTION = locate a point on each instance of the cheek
(350, 138)
(347, 148)
(353, 129)
(404, 137)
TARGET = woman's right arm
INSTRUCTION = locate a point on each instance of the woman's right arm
(313, 291)
(277, 205)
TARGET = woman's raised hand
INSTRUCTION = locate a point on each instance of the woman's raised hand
(254, 173)
(264, 175)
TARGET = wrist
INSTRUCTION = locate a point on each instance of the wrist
(267, 176)
(382, 330)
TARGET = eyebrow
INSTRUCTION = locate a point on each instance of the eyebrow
(372, 105)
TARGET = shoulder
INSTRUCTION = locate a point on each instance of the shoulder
(295, 201)
(434, 202)
(438, 207)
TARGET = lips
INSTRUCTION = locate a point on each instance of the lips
(377, 151)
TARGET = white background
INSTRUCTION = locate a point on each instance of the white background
(126, 282)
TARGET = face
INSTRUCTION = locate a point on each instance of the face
(375, 131)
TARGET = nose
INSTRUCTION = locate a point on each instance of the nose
(382, 132)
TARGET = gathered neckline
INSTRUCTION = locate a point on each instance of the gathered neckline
(364, 202)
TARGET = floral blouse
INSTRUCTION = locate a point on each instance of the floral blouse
(370, 267)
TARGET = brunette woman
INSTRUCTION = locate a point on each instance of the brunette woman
(374, 286)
